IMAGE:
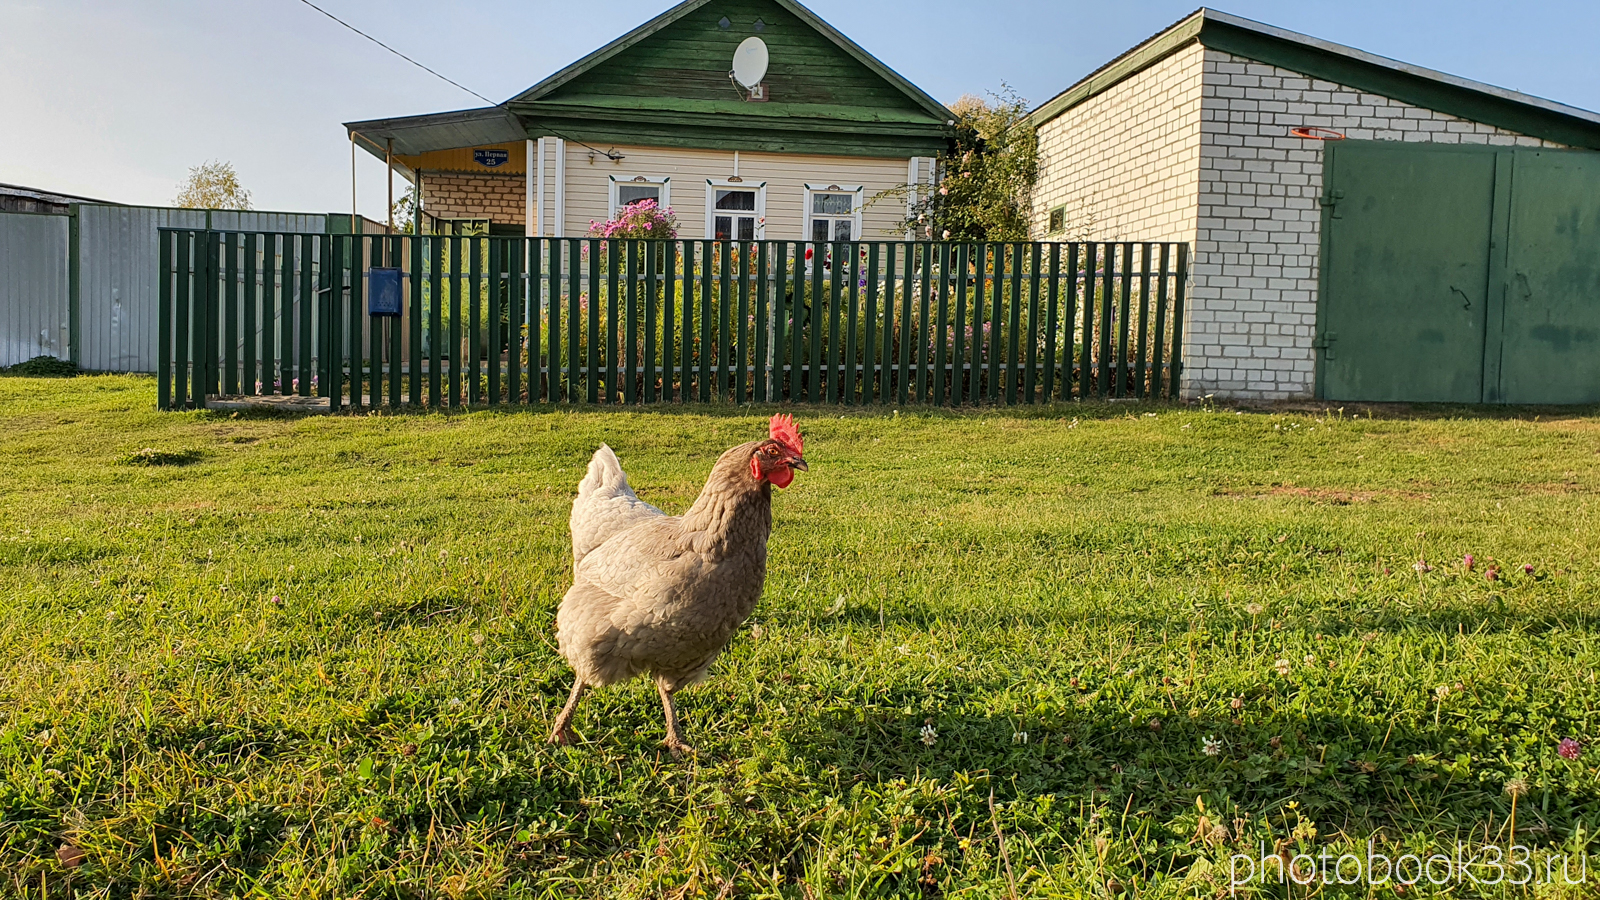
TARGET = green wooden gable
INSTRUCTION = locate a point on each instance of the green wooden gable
(666, 84)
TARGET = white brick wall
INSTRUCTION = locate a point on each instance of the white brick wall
(1197, 148)
(1253, 302)
(1125, 163)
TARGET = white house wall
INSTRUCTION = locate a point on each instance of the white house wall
(577, 187)
(1126, 163)
(588, 186)
(1252, 309)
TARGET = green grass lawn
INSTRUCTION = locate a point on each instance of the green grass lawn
(314, 657)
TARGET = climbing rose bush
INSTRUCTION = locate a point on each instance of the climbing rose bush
(644, 219)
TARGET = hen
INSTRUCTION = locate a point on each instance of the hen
(660, 594)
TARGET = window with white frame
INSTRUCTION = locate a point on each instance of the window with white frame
(735, 210)
(833, 213)
(625, 192)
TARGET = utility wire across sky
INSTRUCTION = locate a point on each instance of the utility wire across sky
(399, 54)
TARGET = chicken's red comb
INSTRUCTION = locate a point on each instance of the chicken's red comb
(783, 431)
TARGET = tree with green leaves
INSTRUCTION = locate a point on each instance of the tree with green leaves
(213, 185)
(984, 190)
(405, 211)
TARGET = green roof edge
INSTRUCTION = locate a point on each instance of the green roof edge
(1142, 56)
(1513, 111)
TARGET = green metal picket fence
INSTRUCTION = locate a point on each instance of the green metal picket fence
(497, 320)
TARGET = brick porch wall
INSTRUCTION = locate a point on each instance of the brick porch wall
(457, 195)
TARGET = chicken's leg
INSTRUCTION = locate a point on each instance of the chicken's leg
(675, 741)
(563, 731)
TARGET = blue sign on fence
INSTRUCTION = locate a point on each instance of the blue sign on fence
(491, 158)
(383, 292)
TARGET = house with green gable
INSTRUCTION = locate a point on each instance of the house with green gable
(657, 114)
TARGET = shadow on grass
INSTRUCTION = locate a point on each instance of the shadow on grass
(1093, 409)
(1487, 617)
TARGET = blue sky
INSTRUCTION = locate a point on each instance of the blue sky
(118, 99)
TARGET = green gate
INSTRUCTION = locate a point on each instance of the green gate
(1460, 274)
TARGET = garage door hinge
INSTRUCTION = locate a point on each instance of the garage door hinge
(1325, 344)
(1331, 198)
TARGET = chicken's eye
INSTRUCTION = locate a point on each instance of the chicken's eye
(770, 451)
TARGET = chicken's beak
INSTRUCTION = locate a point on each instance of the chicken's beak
(798, 464)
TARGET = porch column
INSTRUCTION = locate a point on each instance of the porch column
(529, 228)
(539, 215)
(912, 171)
(561, 187)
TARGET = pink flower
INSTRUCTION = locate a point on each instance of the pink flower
(1527, 568)
(1568, 748)
(1467, 562)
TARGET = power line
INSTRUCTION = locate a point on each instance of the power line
(399, 54)
(608, 154)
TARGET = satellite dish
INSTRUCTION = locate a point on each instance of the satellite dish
(750, 62)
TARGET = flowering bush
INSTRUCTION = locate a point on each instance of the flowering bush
(986, 183)
(644, 219)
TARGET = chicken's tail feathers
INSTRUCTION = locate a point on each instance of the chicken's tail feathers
(605, 475)
(605, 506)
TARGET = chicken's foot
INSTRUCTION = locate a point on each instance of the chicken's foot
(562, 734)
(675, 741)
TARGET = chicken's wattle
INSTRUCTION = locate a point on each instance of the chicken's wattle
(780, 477)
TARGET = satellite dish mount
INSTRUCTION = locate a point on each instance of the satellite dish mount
(749, 67)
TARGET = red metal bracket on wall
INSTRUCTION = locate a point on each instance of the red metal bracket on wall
(1312, 132)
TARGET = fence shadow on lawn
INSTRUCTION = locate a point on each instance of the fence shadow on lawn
(1485, 618)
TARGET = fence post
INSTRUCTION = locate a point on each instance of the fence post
(163, 321)
(213, 300)
(229, 298)
(1177, 316)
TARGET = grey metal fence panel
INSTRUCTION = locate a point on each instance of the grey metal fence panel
(117, 283)
(33, 286)
(117, 274)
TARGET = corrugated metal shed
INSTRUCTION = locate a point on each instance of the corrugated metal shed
(33, 286)
(19, 198)
(117, 285)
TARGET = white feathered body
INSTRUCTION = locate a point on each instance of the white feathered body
(657, 593)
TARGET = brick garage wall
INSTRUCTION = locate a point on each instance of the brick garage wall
(1125, 163)
(1253, 300)
(457, 195)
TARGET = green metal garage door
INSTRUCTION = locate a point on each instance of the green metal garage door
(1550, 352)
(1460, 274)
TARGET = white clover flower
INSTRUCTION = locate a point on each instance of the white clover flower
(1211, 746)
(1282, 666)
(929, 735)
(1020, 737)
